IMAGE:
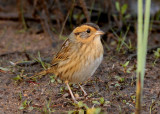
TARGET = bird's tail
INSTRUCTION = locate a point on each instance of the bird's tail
(40, 74)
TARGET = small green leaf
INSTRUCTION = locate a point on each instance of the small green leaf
(98, 110)
(117, 6)
(17, 78)
(25, 103)
(157, 53)
(95, 102)
(121, 80)
(127, 16)
(52, 79)
(117, 85)
(21, 107)
(107, 102)
(102, 101)
(124, 101)
(72, 112)
(59, 81)
(93, 110)
(126, 64)
(133, 97)
(81, 111)
(129, 70)
(4, 69)
(80, 104)
(124, 9)
(20, 96)
(61, 89)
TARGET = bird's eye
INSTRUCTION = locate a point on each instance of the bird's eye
(88, 31)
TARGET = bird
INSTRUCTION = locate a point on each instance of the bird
(79, 56)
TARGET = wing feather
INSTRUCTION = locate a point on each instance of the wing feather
(64, 52)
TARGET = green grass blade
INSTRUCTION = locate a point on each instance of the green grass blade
(145, 34)
(141, 50)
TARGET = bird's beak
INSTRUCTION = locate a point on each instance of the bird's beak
(99, 32)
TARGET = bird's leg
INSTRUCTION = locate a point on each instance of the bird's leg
(70, 91)
(85, 94)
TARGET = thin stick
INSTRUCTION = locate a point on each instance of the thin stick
(21, 13)
(64, 23)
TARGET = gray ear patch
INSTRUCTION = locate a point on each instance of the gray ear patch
(84, 35)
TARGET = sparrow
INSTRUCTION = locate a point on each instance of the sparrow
(79, 56)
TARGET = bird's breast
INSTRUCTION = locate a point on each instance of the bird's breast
(89, 61)
(82, 62)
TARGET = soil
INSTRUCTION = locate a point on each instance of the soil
(113, 82)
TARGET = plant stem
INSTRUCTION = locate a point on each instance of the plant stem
(141, 50)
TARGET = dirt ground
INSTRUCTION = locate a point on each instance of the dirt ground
(111, 89)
